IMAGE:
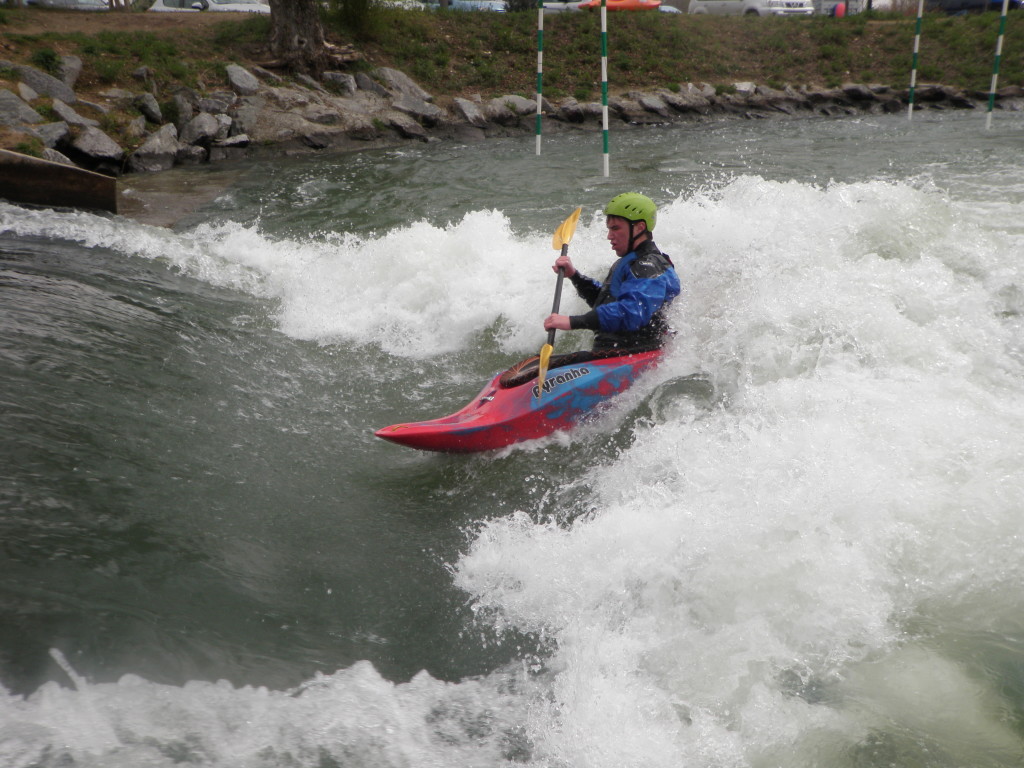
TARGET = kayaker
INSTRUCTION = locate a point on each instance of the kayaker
(628, 310)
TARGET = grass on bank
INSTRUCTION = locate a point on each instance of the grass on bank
(458, 53)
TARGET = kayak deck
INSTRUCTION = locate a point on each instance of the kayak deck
(502, 415)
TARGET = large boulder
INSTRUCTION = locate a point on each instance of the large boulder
(15, 112)
(242, 81)
(201, 130)
(470, 112)
(71, 117)
(158, 152)
(94, 149)
(147, 104)
(428, 114)
(52, 134)
(45, 84)
(400, 84)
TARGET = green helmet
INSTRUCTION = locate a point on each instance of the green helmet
(634, 207)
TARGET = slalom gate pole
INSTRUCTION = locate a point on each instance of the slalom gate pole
(995, 66)
(604, 80)
(540, 64)
(913, 65)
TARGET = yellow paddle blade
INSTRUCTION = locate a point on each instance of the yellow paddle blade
(542, 370)
(565, 232)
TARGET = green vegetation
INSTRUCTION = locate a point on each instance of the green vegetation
(457, 53)
(47, 60)
(496, 53)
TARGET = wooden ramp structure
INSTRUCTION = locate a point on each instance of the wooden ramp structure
(33, 181)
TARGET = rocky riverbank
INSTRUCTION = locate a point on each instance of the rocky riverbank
(256, 111)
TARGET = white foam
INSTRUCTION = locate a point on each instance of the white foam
(744, 593)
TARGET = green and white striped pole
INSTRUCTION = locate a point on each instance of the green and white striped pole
(995, 66)
(913, 66)
(540, 63)
(604, 80)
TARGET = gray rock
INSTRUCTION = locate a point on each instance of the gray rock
(188, 95)
(146, 104)
(571, 111)
(496, 111)
(288, 99)
(520, 105)
(407, 127)
(316, 140)
(119, 97)
(400, 84)
(201, 129)
(310, 83)
(238, 140)
(56, 157)
(143, 74)
(45, 84)
(246, 113)
(15, 112)
(796, 97)
(470, 112)
(52, 134)
(96, 145)
(213, 106)
(27, 93)
(686, 103)
(429, 114)
(220, 154)
(227, 98)
(652, 104)
(367, 83)
(185, 110)
(93, 105)
(71, 117)
(858, 92)
(362, 128)
(158, 152)
(189, 154)
(241, 80)
(70, 69)
(224, 130)
(267, 76)
(321, 114)
(630, 111)
(342, 82)
(745, 88)
(704, 89)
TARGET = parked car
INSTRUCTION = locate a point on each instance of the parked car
(753, 7)
(192, 6)
(552, 6)
(71, 5)
(960, 7)
(623, 5)
(497, 6)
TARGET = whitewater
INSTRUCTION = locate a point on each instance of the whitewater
(816, 560)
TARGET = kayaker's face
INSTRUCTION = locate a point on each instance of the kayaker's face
(619, 233)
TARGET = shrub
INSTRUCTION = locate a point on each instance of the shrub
(47, 60)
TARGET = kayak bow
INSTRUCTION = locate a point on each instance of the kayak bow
(503, 415)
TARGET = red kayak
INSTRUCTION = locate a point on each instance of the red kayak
(508, 410)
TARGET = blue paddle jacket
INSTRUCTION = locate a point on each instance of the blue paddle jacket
(629, 307)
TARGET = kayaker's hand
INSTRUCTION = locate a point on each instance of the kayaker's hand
(565, 263)
(557, 323)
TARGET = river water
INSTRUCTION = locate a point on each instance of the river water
(799, 542)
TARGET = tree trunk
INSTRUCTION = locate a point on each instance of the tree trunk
(297, 37)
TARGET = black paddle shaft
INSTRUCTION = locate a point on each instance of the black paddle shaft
(558, 294)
